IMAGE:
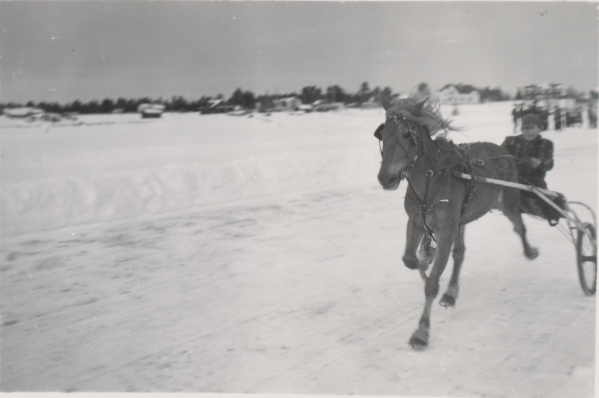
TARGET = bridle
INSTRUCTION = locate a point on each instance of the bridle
(411, 130)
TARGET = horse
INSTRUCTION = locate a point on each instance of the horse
(438, 203)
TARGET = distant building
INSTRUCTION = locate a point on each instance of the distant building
(23, 112)
(457, 94)
(51, 117)
(541, 91)
(216, 106)
(150, 110)
(287, 104)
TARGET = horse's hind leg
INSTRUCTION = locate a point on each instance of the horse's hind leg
(511, 209)
(459, 248)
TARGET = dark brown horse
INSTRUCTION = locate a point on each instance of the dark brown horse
(438, 204)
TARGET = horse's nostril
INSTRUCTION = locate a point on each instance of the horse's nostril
(389, 182)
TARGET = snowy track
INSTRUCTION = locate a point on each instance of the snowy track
(300, 291)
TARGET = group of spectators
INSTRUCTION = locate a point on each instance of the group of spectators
(562, 118)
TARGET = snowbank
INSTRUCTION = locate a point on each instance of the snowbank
(117, 166)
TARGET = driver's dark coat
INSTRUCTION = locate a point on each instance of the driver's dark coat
(523, 150)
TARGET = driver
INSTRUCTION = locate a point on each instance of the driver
(534, 156)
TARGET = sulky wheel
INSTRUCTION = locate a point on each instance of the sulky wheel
(586, 256)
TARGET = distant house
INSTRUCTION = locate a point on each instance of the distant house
(51, 117)
(24, 112)
(457, 94)
(150, 110)
(216, 106)
(287, 104)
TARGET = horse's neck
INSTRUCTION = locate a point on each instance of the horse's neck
(428, 154)
(428, 158)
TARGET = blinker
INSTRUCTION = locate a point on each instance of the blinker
(377, 133)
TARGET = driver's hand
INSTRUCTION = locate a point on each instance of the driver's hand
(534, 162)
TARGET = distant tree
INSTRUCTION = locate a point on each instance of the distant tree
(310, 94)
(131, 105)
(336, 94)
(121, 103)
(199, 104)
(107, 106)
(248, 100)
(53, 107)
(91, 107)
(364, 93)
(178, 104)
(75, 106)
(236, 98)
(266, 102)
(203, 102)
(495, 94)
(376, 93)
(242, 98)
(387, 92)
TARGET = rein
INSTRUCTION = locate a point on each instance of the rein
(423, 208)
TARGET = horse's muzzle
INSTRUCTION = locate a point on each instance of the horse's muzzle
(389, 182)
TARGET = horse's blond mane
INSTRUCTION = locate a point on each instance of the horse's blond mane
(429, 115)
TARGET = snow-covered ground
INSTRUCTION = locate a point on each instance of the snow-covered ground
(259, 254)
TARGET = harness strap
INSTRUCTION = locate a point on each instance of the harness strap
(423, 208)
(472, 161)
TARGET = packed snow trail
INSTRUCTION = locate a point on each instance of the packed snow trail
(305, 294)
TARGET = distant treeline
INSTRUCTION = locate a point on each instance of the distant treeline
(242, 98)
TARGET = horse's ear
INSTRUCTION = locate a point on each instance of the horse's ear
(419, 106)
(386, 102)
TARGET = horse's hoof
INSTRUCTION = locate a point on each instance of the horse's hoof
(447, 301)
(419, 340)
(532, 253)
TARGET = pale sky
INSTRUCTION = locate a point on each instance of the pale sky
(62, 51)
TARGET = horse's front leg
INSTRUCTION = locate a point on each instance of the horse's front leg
(414, 236)
(426, 253)
(459, 248)
(444, 238)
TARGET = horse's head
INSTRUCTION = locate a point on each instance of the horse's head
(400, 136)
